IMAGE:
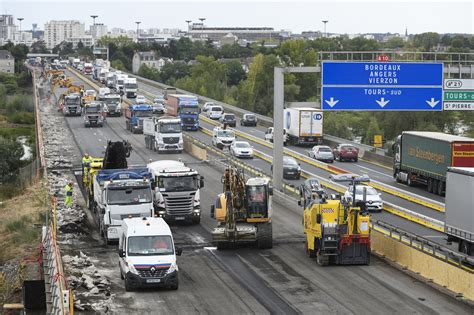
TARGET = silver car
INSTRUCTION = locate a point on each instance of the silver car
(373, 200)
(322, 153)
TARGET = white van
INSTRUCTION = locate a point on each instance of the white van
(147, 256)
(215, 112)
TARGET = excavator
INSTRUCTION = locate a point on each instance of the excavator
(243, 211)
(337, 230)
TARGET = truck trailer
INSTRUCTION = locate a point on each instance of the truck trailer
(134, 115)
(423, 158)
(163, 134)
(459, 207)
(304, 125)
(185, 107)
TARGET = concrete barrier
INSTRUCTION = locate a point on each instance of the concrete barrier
(438, 271)
(194, 150)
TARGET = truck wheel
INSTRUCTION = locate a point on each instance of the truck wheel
(196, 220)
(409, 180)
(175, 285)
(440, 188)
(430, 185)
(465, 247)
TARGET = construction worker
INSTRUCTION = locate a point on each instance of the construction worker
(86, 163)
(68, 194)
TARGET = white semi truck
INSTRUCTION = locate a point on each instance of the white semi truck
(459, 225)
(130, 87)
(163, 134)
(176, 191)
(119, 194)
(304, 125)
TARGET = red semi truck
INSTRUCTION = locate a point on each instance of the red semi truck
(422, 157)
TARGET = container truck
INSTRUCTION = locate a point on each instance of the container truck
(185, 107)
(135, 114)
(176, 191)
(119, 194)
(304, 126)
(459, 208)
(163, 134)
(130, 87)
(422, 157)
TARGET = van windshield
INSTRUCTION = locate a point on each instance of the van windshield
(150, 245)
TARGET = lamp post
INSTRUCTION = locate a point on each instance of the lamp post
(93, 29)
(188, 21)
(20, 19)
(325, 33)
(138, 30)
(202, 26)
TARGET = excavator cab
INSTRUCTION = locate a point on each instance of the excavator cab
(258, 194)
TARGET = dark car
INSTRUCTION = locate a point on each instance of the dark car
(346, 152)
(228, 119)
(291, 168)
(248, 120)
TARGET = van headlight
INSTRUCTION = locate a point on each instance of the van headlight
(173, 268)
(132, 269)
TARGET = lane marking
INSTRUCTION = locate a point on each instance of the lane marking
(371, 170)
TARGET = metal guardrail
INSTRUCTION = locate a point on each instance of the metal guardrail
(424, 245)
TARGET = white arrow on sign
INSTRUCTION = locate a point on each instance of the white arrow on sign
(382, 102)
(432, 102)
(332, 102)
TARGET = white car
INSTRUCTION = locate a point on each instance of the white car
(140, 99)
(206, 106)
(322, 153)
(215, 112)
(241, 149)
(373, 199)
(269, 135)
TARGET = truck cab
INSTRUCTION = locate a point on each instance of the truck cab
(135, 114)
(130, 87)
(176, 191)
(113, 104)
(72, 105)
(185, 107)
(163, 134)
(93, 114)
(120, 194)
(269, 135)
(147, 255)
(88, 68)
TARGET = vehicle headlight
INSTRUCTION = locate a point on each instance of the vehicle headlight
(113, 230)
(132, 269)
(173, 268)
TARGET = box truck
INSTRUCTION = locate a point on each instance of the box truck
(422, 157)
(304, 126)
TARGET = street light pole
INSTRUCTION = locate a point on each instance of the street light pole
(93, 26)
(202, 26)
(20, 19)
(188, 21)
(325, 33)
(138, 30)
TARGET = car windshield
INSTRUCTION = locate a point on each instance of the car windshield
(130, 85)
(143, 113)
(348, 148)
(225, 133)
(170, 128)
(128, 195)
(184, 183)
(89, 92)
(229, 117)
(216, 109)
(289, 161)
(250, 117)
(325, 149)
(242, 145)
(189, 110)
(150, 245)
(369, 191)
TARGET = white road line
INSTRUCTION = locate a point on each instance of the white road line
(371, 170)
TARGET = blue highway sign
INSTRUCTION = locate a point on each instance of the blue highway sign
(382, 86)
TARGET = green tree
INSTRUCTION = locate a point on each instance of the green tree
(3, 95)
(234, 72)
(372, 129)
(80, 45)
(118, 64)
(39, 47)
(173, 71)
(149, 73)
(426, 41)
(10, 153)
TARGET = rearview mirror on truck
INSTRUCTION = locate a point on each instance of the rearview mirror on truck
(201, 182)
(121, 253)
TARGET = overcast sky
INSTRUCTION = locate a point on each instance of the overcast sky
(344, 16)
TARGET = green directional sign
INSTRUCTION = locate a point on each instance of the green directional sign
(458, 96)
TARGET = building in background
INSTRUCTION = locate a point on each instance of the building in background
(249, 34)
(148, 58)
(56, 32)
(98, 30)
(7, 62)
(86, 40)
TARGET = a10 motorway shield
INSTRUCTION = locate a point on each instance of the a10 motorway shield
(380, 86)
